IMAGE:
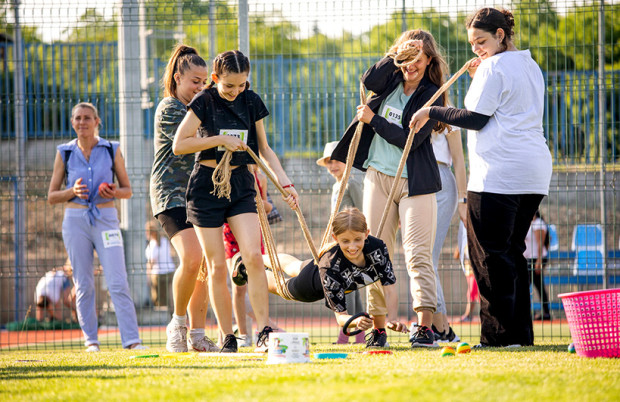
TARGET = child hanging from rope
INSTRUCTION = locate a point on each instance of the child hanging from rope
(353, 261)
(228, 116)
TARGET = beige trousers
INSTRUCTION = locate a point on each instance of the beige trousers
(417, 216)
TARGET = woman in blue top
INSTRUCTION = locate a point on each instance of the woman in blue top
(228, 116)
(89, 164)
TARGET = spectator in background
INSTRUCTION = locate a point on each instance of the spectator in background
(88, 165)
(353, 197)
(159, 267)
(448, 150)
(536, 248)
(462, 253)
(55, 290)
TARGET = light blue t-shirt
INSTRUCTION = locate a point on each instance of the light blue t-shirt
(382, 155)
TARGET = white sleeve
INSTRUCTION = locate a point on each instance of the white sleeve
(486, 89)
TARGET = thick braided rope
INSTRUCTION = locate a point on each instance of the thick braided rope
(221, 177)
(407, 148)
(270, 245)
(347, 170)
(412, 54)
(300, 216)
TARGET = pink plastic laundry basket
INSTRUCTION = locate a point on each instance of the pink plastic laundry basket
(594, 321)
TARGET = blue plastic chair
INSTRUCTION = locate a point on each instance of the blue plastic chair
(554, 243)
(587, 237)
(588, 262)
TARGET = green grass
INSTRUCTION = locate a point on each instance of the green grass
(544, 372)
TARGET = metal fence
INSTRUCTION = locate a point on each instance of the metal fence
(307, 58)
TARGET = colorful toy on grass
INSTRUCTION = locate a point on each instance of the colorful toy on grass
(571, 348)
(447, 351)
(463, 348)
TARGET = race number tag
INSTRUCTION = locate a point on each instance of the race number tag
(112, 238)
(393, 115)
(241, 134)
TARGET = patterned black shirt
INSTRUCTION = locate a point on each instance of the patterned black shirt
(339, 276)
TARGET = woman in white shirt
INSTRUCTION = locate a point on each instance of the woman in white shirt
(510, 171)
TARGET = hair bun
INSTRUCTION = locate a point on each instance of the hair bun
(510, 19)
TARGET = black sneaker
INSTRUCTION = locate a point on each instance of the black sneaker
(239, 274)
(422, 336)
(230, 344)
(377, 338)
(262, 340)
(445, 336)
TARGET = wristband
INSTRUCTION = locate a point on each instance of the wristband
(463, 200)
(288, 185)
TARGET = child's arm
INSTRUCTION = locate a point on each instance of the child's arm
(363, 323)
(186, 141)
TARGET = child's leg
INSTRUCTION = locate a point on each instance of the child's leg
(238, 302)
(290, 264)
(246, 229)
(184, 281)
(213, 249)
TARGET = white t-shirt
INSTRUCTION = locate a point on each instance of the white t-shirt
(159, 255)
(531, 242)
(441, 149)
(509, 155)
(51, 285)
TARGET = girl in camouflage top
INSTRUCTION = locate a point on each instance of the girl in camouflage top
(185, 75)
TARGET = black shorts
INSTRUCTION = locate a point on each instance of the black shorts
(207, 210)
(306, 287)
(173, 220)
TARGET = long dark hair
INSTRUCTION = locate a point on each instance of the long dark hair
(231, 62)
(181, 60)
(490, 20)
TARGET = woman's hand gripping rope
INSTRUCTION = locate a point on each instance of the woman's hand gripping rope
(421, 117)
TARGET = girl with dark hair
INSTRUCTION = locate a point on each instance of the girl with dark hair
(398, 93)
(227, 115)
(186, 74)
(510, 171)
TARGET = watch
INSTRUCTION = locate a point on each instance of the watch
(463, 200)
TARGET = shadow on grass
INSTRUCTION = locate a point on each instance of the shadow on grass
(26, 371)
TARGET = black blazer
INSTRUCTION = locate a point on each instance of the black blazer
(422, 171)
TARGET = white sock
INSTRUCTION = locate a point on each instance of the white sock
(197, 333)
(179, 320)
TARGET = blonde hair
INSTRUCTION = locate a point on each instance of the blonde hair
(437, 69)
(348, 219)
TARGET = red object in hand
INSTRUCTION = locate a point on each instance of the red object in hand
(103, 186)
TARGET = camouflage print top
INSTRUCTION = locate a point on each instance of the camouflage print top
(170, 172)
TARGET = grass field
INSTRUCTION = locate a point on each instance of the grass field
(543, 372)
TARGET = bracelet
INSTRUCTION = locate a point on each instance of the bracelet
(288, 185)
(463, 200)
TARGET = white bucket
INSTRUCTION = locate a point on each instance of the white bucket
(288, 347)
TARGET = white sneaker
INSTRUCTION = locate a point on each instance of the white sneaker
(93, 348)
(244, 341)
(177, 338)
(139, 347)
(203, 344)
